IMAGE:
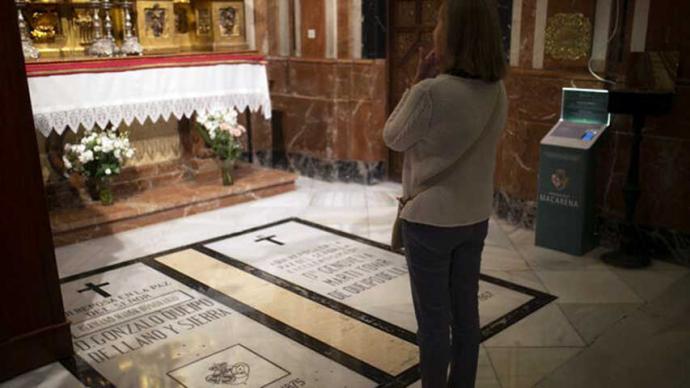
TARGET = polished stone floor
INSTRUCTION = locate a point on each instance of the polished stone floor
(198, 308)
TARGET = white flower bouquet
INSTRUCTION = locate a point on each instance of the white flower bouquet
(98, 156)
(222, 134)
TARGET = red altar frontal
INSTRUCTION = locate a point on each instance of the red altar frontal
(157, 99)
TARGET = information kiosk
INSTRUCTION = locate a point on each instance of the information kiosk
(565, 209)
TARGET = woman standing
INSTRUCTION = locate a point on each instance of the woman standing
(448, 126)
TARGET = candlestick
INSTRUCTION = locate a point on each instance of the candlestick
(102, 46)
(130, 45)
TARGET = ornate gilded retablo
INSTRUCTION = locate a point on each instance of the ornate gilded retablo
(228, 19)
(83, 24)
(568, 36)
(229, 30)
(203, 22)
(155, 20)
(76, 28)
(181, 21)
(45, 26)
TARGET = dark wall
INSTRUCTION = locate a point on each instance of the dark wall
(33, 329)
(505, 12)
(374, 22)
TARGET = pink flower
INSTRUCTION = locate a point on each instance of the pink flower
(225, 127)
(237, 131)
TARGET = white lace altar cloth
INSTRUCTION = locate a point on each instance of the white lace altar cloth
(70, 100)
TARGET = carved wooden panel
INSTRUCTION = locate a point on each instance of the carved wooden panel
(411, 25)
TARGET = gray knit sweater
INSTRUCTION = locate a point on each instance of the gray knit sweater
(447, 122)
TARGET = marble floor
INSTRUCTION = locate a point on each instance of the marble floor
(154, 307)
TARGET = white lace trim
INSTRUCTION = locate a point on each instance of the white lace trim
(161, 109)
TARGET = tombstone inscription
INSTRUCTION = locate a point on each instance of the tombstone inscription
(156, 328)
(351, 272)
(290, 304)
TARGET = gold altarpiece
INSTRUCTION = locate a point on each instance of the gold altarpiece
(68, 28)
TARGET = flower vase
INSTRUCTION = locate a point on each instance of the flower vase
(105, 194)
(92, 188)
(227, 167)
(100, 190)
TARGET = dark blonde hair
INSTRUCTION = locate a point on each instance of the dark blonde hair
(474, 46)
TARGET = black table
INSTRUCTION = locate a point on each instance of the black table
(631, 252)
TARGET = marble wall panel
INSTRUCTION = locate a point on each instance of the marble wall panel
(369, 80)
(512, 85)
(369, 112)
(313, 17)
(272, 27)
(518, 158)
(342, 136)
(534, 98)
(312, 78)
(529, 9)
(343, 80)
(261, 24)
(366, 141)
(536, 95)
(345, 39)
(278, 76)
(354, 92)
(306, 123)
(262, 137)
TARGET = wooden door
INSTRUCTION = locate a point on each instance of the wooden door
(411, 25)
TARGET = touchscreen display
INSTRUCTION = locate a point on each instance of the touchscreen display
(589, 135)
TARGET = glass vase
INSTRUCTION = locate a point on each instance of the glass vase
(92, 188)
(105, 194)
(100, 190)
(227, 167)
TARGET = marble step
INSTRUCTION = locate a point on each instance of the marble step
(203, 192)
(69, 193)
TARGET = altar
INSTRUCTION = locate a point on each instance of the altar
(154, 99)
(69, 94)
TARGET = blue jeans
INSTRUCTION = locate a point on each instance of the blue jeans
(444, 274)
